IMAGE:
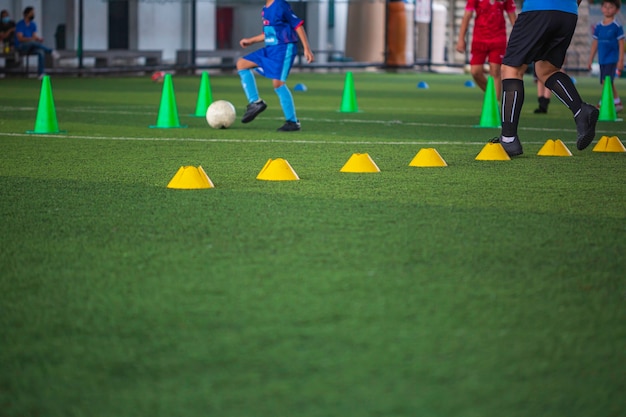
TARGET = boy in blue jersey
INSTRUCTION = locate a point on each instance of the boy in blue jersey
(608, 42)
(281, 31)
(542, 33)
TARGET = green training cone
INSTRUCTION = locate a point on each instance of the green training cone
(46, 121)
(205, 97)
(607, 106)
(348, 102)
(490, 116)
(168, 113)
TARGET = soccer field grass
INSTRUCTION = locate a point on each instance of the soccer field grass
(485, 288)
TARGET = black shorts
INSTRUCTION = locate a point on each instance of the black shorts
(540, 36)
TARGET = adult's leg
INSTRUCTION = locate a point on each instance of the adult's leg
(560, 84)
(512, 100)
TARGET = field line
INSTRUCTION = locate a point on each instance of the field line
(234, 140)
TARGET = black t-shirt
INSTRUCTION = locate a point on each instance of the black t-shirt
(6, 26)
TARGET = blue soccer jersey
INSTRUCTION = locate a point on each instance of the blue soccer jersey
(608, 37)
(568, 6)
(280, 23)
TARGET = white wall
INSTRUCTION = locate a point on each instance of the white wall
(159, 26)
(166, 25)
(316, 26)
(11, 7)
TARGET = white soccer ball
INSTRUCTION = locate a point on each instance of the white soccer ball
(221, 114)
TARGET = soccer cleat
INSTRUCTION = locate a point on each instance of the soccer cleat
(586, 125)
(253, 110)
(289, 126)
(619, 106)
(540, 110)
(511, 148)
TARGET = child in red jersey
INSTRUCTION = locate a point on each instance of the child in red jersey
(488, 37)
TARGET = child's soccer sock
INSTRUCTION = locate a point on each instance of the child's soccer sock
(286, 102)
(249, 85)
(512, 101)
(563, 88)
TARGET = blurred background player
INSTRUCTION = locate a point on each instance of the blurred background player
(488, 37)
(281, 31)
(28, 41)
(7, 31)
(543, 97)
(608, 42)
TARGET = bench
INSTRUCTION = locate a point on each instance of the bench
(15, 62)
(113, 57)
(223, 57)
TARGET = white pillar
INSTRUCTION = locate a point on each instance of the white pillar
(316, 26)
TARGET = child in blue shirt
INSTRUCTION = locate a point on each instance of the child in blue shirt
(608, 42)
(281, 31)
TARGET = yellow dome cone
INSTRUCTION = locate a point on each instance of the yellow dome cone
(609, 144)
(277, 170)
(493, 152)
(360, 162)
(428, 157)
(190, 178)
(615, 145)
(601, 145)
(554, 148)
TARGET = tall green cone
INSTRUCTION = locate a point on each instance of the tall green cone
(205, 97)
(168, 112)
(490, 116)
(607, 106)
(348, 102)
(46, 121)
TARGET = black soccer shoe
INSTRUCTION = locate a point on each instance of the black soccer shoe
(586, 125)
(253, 110)
(289, 126)
(512, 148)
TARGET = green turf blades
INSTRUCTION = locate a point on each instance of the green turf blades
(126, 280)
(607, 106)
(46, 121)
(490, 116)
(348, 101)
(205, 96)
(168, 112)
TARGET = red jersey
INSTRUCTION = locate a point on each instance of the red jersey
(489, 23)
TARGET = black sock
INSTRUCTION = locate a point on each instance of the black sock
(563, 88)
(512, 101)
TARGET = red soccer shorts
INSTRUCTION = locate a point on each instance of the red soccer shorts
(493, 50)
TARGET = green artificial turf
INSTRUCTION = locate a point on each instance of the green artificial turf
(485, 288)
